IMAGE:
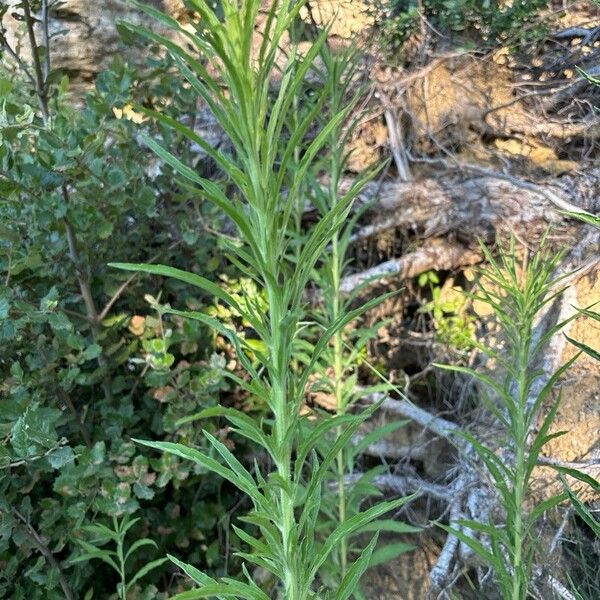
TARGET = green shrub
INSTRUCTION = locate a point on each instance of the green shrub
(79, 374)
(486, 23)
(492, 20)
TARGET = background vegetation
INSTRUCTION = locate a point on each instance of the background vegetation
(92, 358)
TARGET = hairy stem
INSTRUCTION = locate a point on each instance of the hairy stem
(285, 442)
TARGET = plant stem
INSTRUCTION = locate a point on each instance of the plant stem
(86, 293)
(519, 588)
(37, 541)
(340, 401)
(40, 81)
(284, 444)
(120, 555)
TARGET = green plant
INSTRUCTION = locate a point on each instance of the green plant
(583, 511)
(339, 73)
(494, 21)
(516, 296)
(75, 380)
(286, 502)
(339, 363)
(94, 549)
(489, 22)
(450, 321)
(400, 21)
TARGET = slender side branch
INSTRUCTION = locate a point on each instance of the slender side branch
(11, 52)
(39, 543)
(84, 284)
(86, 293)
(396, 144)
(121, 289)
(46, 39)
(41, 87)
(405, 408)
(75, 414)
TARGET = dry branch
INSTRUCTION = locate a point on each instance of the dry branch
(402, 485)
(437, 255)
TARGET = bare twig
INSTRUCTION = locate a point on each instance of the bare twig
(117, 295)
(403, 485)
(86, 293)
(546, 461)
(84, 283)
(40, 81)
(46, 39)
(20, 63)
(127, 283)
(559, 532)
(39, 543)
(552, 197)
(587, 35)
(439, 575)
(75, 414)
(30, 459)
(391, 449)
(554, 583)
(395, 140)
(438, 255)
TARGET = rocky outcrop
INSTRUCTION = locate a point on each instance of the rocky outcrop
(83, 35)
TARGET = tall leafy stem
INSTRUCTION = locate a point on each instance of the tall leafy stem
(517, 296)
(117, 557)
(338, 367)
(251, 99)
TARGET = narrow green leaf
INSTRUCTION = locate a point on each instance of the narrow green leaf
(191, 571)
(580, 475)
(595, 354)
(208, 463)
(390, 526)
(352, 577)
(584, 513)
(139, 544)
(348, 527)
(584, 216)
(543, 507)
(378, 434)
(245, 425)
(185, 276)
(389, 552)
(154, 564)
(476, 546)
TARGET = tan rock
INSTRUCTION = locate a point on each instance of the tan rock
(579, 408)
(345, 17)
(84, 36)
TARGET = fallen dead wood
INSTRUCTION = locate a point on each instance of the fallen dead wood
(588, 35)
(403, 485)
(488, 205)
(437, 255)
(489, 200)
(406, 408)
